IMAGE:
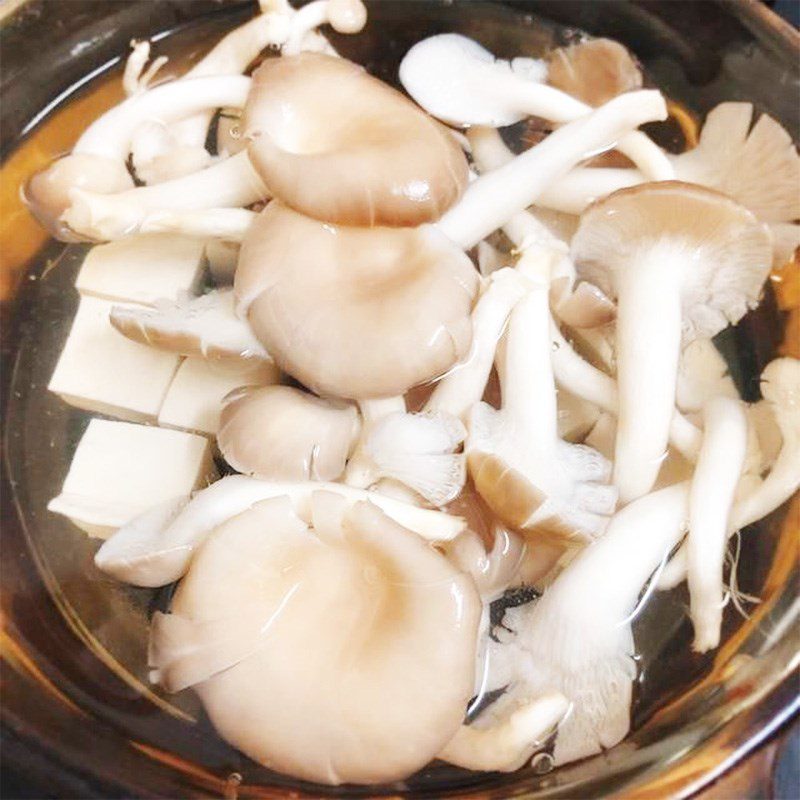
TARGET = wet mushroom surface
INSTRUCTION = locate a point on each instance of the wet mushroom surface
(468, 414)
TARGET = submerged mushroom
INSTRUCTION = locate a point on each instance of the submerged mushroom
(530, 478)
(458, 81)
(293, 635)
(593, 71)
(355, 312)
(683, 262)
(97, 163)
(337, 144)
(281, 433)
(192, 326)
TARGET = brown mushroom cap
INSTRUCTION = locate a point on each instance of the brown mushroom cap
(726, 250)
(593, 71)
(333, 142)
(281, 433)
(342, 653)
(355, 312)
(47, 192)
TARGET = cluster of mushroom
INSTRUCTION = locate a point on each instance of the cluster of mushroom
(336, 574)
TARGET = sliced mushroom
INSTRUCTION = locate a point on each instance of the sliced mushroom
(336, 144)
(334, 621)
(683, 262)
(149, 555)
(355, 312)
(593, 71)
(531, 479)
(192, 326)
(281, 433)
(458, 81)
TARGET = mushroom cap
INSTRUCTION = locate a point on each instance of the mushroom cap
(47, 193)
(362, 639)
(282, 433)
(593, 71)
(355, 312)
(337, 144)
(459, 82)
(725, 253)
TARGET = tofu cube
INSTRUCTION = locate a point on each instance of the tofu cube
(121, 470)
(101, 370)
(143, 268)
(194, 398)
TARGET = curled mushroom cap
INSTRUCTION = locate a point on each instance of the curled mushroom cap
(683, 262)
(281, 433)
(355, 312)
(47, 193)
(342, 652)
(593, 71)
(337, 144)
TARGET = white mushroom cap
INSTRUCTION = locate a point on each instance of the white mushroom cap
(355, 312)
(359, 648)
(683, 262)
(282, 433)
(334, 143)
(593, 71)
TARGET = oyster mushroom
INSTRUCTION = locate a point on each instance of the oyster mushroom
(155, 555)
(531, 479)
(593, 71)
(337, 144)
(711, 496)
(335, 620)
(683, 262)
(355, 290)
(192, 326)
(458, 81)
(97, 162)
(281, 433)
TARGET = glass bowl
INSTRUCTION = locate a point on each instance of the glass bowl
(79, 718)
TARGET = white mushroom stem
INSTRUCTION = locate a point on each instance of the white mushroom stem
(111, 135)
(589, 383)
(136, 78)
(496, 196)
(713, 486)
(461, 388)
(508, 744)
(230, 183)
(573, 192)
(345, 16)
(577, 637)
(154, 557)
(228, 224)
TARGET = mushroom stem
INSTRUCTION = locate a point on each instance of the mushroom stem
(464, 385)
(496, 196)
(110, 136)
(507, 745)
(150, 557)
(580, 187)
(227, 184)
(345, 16)
(711, 496)
(228, 224)
(360, 472)
(589, 383)
(648, 350)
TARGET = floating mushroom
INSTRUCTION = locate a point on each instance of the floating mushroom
(329, 623)
(531, 479)
(192, 326)
(281, 433)
(337, 144)
(149, 555)
(458, 81)
(683, 262)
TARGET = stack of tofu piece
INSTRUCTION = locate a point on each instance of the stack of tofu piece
(167, 405)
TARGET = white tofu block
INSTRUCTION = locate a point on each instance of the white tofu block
(143, 268)
(101, 370)
(121, 470)
(194, 399)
